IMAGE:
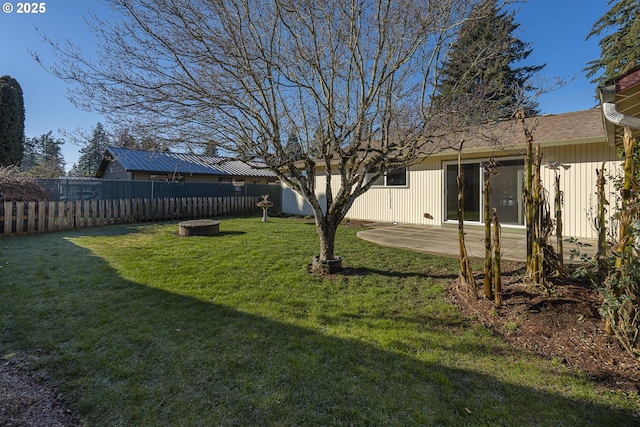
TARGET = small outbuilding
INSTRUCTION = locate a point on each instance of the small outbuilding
(138, 165)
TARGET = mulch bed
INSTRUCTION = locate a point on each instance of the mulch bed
(565, 326)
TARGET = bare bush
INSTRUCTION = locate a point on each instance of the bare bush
(15, 187)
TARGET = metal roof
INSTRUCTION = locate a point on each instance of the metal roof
(193, 164)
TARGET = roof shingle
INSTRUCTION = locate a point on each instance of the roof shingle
(547, 129)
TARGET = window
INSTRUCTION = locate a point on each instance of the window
(506, 192)
(392, 178)
(397, 177)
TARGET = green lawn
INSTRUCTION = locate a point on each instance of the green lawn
(138, 326)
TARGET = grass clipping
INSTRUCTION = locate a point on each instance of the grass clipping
(14, 187)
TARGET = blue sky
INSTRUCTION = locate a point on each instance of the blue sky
(556, 29)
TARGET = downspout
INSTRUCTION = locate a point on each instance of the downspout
(611, 114)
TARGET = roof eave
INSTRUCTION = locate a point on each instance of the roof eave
(607, 93)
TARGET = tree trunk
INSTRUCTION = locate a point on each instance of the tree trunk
(466, 274)
(601, 257)
(528, 195)
(488, 285)
(558, 203)
(533, 199)
(326, 228)
(496, 260)
(535, 269)
(626, 218)
(623, 249)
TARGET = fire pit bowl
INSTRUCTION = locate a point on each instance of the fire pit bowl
(198, 227)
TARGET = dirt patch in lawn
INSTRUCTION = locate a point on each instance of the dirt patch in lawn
(565, 326)
(28, 399)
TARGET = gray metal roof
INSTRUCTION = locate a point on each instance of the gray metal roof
(195, 164)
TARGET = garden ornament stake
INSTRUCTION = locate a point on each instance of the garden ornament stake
(265, 204)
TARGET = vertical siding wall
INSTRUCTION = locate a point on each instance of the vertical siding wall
(422, 195)
(578, 183)
(293, 203)
(425, 191)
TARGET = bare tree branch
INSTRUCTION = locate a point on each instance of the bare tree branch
(351, 80)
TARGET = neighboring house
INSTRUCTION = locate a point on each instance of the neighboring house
(426, 193)
(137, 165)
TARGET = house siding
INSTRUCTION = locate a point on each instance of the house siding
(424, 193)
(578, 183)
(114, 170)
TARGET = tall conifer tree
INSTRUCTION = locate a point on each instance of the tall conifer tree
(620, 48)
(43, 157)
(486, 50)
(11, 121)
(91, 154)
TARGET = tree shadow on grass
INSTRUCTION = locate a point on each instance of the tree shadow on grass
(389, 272)
(127, 354)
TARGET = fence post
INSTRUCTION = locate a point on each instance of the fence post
(19, 218)
(124, 211)
(31, 217)
(70, 207)
(146, 203)
(93, 208)
(77, 208)
(8, 218)
(41, 216)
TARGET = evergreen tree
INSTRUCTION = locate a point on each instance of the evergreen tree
(293, 148)
(211, 150)
(91, 154)
(482, 58)
(620, 49)
(11, 121)
(44, 157)
(30, 156)
(125, 139)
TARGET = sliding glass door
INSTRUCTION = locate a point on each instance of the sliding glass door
(506, 192)
(471, 192)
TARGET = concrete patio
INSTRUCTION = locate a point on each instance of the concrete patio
(444, 241)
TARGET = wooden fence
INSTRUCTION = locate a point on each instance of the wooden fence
(18, 218)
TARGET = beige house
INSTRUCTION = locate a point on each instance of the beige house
(573, 145)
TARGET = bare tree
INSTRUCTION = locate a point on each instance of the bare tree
(351, 81)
